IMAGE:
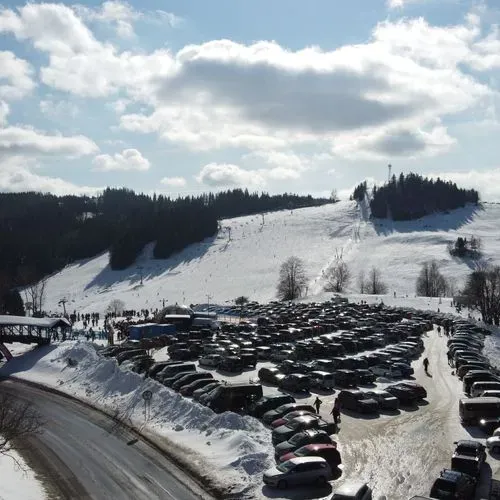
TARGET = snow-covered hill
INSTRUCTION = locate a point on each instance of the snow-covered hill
(244, 258)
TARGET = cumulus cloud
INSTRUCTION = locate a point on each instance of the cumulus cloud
(16, 175)
(174, 181)
(228, 175)
(15, 76)
(4, 111)
(16, 140)
(399, 4)
(128, 159)
(264, 96)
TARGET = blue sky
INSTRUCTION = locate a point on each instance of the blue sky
(186, 97)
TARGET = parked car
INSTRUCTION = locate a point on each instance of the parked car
(272, 415)
(296, 382)
(297, 472)
(489, 425)
(365, 376)
(476, 376)
(203, 390)
(346, 378)
(477, 388)
(187, 390)
(466, 368)
(290, 416)
(385, 400)
(405, 395)
(493, 444)
(473, 410)
(174, 378)
(234, 397)
(129, 353)
(327, 451)
(453, 484)
(386, 370)
(268, 375)
(157, 367)
(418, 389)
(309, 436)
(190, 377)
(285, 432)
(211, 360)
(468, 457)
(231, 364)
(267, 403)
(357, 401)
(353, 490)
(405, 369)
(322, 380)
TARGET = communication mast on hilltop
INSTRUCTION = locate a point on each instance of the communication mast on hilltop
(390, 171)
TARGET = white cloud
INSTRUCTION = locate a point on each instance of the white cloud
(58, 109)
(174, 181)
(16, 140)
(15, 76)
(128, 159)
(122, 16)
(262, 96)
(399, 4)
(4, 111)
(228, 175)
(119, 106)
(16, 175)
(486, 182)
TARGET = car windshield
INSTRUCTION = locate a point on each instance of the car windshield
(297, 438)
(297, 424)
(301, 452)
(286, 466)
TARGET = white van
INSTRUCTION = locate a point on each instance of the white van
(479, 387)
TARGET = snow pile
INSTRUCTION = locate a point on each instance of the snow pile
(233, 449)
(246, 259)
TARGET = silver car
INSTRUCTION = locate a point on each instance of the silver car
(353, 490)
(299, 471)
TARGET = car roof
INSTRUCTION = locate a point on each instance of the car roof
(302, 460)
(306, 418)
(320, 446)
(469, 443)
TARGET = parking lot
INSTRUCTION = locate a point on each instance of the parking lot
(398, 452)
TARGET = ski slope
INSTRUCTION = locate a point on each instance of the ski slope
(245, 256)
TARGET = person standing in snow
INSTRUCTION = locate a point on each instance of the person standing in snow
(426, 365)
(335, 413)
(317, 404)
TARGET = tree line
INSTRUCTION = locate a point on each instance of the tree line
(42, 233)
(413, 196)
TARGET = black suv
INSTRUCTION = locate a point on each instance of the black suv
(357, 401)
(453, 484)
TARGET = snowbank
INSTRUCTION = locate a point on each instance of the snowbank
(230, 449)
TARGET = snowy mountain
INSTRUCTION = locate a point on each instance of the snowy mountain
(245, 256)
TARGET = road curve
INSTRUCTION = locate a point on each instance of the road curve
(82, 454)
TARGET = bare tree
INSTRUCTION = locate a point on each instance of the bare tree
(374, 283)
(482, 293)
(116, 307)
(292, 279)
(35, 295)
(18, 420)
(337, 277)
(241, 301)
(430, 281)
(361, 281)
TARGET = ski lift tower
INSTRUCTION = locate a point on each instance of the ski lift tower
(389, 167)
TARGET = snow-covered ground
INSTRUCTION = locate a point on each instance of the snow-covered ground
(398, 454)
(248, 263)
(18, 481)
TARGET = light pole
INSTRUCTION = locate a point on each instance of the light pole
(208, 302)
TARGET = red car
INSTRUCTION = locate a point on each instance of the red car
(327, 451)
(290, 416)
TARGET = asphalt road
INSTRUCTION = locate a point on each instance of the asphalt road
(82, 454)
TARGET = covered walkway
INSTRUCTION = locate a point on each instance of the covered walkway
(28, 330)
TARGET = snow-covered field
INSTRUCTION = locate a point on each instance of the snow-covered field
(248, 263)
(398, 454)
